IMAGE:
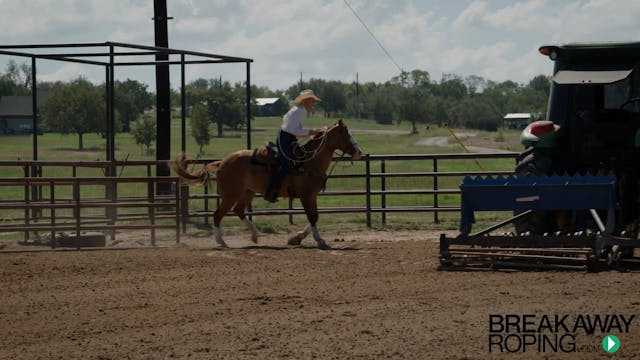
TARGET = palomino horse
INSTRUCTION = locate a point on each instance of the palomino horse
(239, 177)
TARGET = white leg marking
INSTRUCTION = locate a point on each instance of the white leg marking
(218, 235)
(300, 235)
(303, 234)
(252, 228)
(317, 238)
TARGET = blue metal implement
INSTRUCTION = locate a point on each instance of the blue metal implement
(536, 193)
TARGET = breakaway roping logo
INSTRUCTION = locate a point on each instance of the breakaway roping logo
(514, 333)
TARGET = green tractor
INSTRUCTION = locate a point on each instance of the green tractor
(592, 127)
(576, 187)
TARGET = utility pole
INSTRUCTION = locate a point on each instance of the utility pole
(357, 99)
(163, 94)
(219, 110)
(301, 84)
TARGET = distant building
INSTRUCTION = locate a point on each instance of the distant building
(270, 107)
(516, 120)
(16, 114)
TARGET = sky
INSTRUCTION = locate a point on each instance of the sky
(497, 40)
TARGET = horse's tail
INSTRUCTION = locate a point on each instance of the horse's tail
(202, 177)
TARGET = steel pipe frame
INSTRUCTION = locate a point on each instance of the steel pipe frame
(11, 50)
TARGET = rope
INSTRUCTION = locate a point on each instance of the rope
(315, 152)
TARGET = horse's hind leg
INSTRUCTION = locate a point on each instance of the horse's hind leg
(239, 210)
(221, 211)
(300, 235)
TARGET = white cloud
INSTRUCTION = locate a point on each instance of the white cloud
(321, 38)
(472, 16)
(523, 16)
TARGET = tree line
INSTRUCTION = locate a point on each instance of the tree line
(413, 96)
(78, 106)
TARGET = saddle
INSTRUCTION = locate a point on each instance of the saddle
(268, 154)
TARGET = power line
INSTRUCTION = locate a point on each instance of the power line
(373, 36)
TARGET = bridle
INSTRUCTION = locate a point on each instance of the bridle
(354, 143)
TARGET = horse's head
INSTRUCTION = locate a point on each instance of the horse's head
(344, 140)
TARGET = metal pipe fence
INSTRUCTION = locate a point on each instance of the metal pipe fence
(377, 184)
(80, 204)
(376, 187)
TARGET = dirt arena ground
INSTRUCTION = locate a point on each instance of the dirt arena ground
(375, 295)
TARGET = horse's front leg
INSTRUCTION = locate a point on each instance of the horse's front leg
(311, 209)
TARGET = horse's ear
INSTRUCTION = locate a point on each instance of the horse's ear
(340, 122)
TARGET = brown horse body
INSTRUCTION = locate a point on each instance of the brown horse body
(239, 178)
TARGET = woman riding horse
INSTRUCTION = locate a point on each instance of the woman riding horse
(292, 127)
(239, 177)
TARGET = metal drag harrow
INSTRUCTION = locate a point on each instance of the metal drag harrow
(558, 251)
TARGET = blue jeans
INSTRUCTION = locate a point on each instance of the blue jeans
(286, 144)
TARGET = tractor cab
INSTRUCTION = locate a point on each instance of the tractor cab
(595, 102)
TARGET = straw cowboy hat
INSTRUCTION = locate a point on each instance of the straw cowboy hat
(305, 94)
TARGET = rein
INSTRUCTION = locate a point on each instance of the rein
(327, 176)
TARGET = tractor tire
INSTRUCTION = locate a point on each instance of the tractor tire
(532, 162)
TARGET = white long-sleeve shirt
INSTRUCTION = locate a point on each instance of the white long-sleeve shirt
(292, 121)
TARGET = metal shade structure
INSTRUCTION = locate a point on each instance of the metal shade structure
(114, 54)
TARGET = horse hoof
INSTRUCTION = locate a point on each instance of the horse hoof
(254, 239)
(222, 244)
(295, 241)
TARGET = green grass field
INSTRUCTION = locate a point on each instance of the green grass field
(373, 138)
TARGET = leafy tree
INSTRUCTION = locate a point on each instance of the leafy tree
(474, 113)
(144, 131)
(541, 83)
(131, 100)
(499, 94)
(537, 94)
(201, 126)
(78, 108)
(333, 98)
(197, 91)
(415, 79)
(452, 87)
(50, 86)
(7, 86)
(413, 91)
(332, 93)
(226, 106)
(382, 104)
(438, 110)
(356, 99)
(20, 75)
(475, 84)
(264, 92)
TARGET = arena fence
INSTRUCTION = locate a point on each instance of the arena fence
(55, 196)
(374, 184)
(49, 209)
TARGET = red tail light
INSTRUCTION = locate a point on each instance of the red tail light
(542, 128)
